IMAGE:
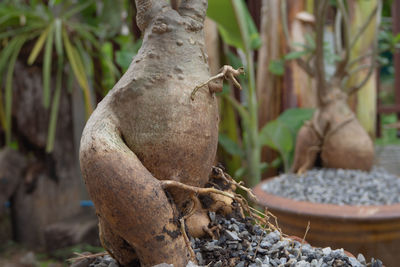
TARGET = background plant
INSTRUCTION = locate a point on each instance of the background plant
(75, 37)
(278, 134)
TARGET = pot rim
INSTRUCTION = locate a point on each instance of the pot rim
(304, 208)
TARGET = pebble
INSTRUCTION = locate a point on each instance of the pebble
(338, 186)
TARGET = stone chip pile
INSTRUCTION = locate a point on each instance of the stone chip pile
(338, 186)
(241, 243)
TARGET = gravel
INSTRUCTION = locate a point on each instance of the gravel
(243, 244)
(338, 186)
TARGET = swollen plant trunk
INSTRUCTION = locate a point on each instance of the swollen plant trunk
(148, 129)
(335, 135)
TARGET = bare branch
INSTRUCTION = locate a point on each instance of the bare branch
(342, 64)
(360, 58)
(227, 72)
(359, 68)
(306, 66)
(357, 87)
(302, 64)
(338, 32)
(320, 11)
(365, 25)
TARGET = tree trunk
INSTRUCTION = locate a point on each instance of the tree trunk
(367, 108)
(50, 190)
(304, 87)
(269, 86)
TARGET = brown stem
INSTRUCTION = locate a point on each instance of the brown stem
(354, 89)
(166, 184)
(365, 25)
(360, 58)
(377, 12)
(361, 67)
(320, 11)
(187, 241)
(338, 32)
(306, 66)
(343, 63)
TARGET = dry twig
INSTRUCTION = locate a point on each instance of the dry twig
(227, 72)
(81, 256)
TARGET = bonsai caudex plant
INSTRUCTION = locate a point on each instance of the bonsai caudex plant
(334, 133)
(148, 148)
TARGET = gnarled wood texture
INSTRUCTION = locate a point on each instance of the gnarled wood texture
(148, 129)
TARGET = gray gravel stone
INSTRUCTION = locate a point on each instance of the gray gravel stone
(232, 235)
(258, 249)
(337, 186)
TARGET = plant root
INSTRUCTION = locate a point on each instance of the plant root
(187, 241)
(260, 218)
(226, 72)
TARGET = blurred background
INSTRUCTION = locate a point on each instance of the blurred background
(59, 58)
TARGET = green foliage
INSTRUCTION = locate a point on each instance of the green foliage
(277, 136)
(129, 49)
(230, 146)
(280, 134)
(237, 29)
(389, 135)
(388, 41)
(224, 14)
(277, 67)
(64, 33)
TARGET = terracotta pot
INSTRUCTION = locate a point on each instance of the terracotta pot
(373, 231)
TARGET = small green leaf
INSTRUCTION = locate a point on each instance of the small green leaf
(76, 9)
(396, 39)
(8, 88)
(301, 45)
(58, 37)
(79, 72)
(296, 55)
(239, 173)
(264, 166)
(277, 67)
(234, 60)
(14, 145)
(230, 146)
(47, 59)
(276, 163)
(223, 13)
(310, 41)
(124, 58)
(278, 136)
(19, 31)
(54, 108)
(85, 32)
(6, 53)
(294, 118)
(38, 46)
